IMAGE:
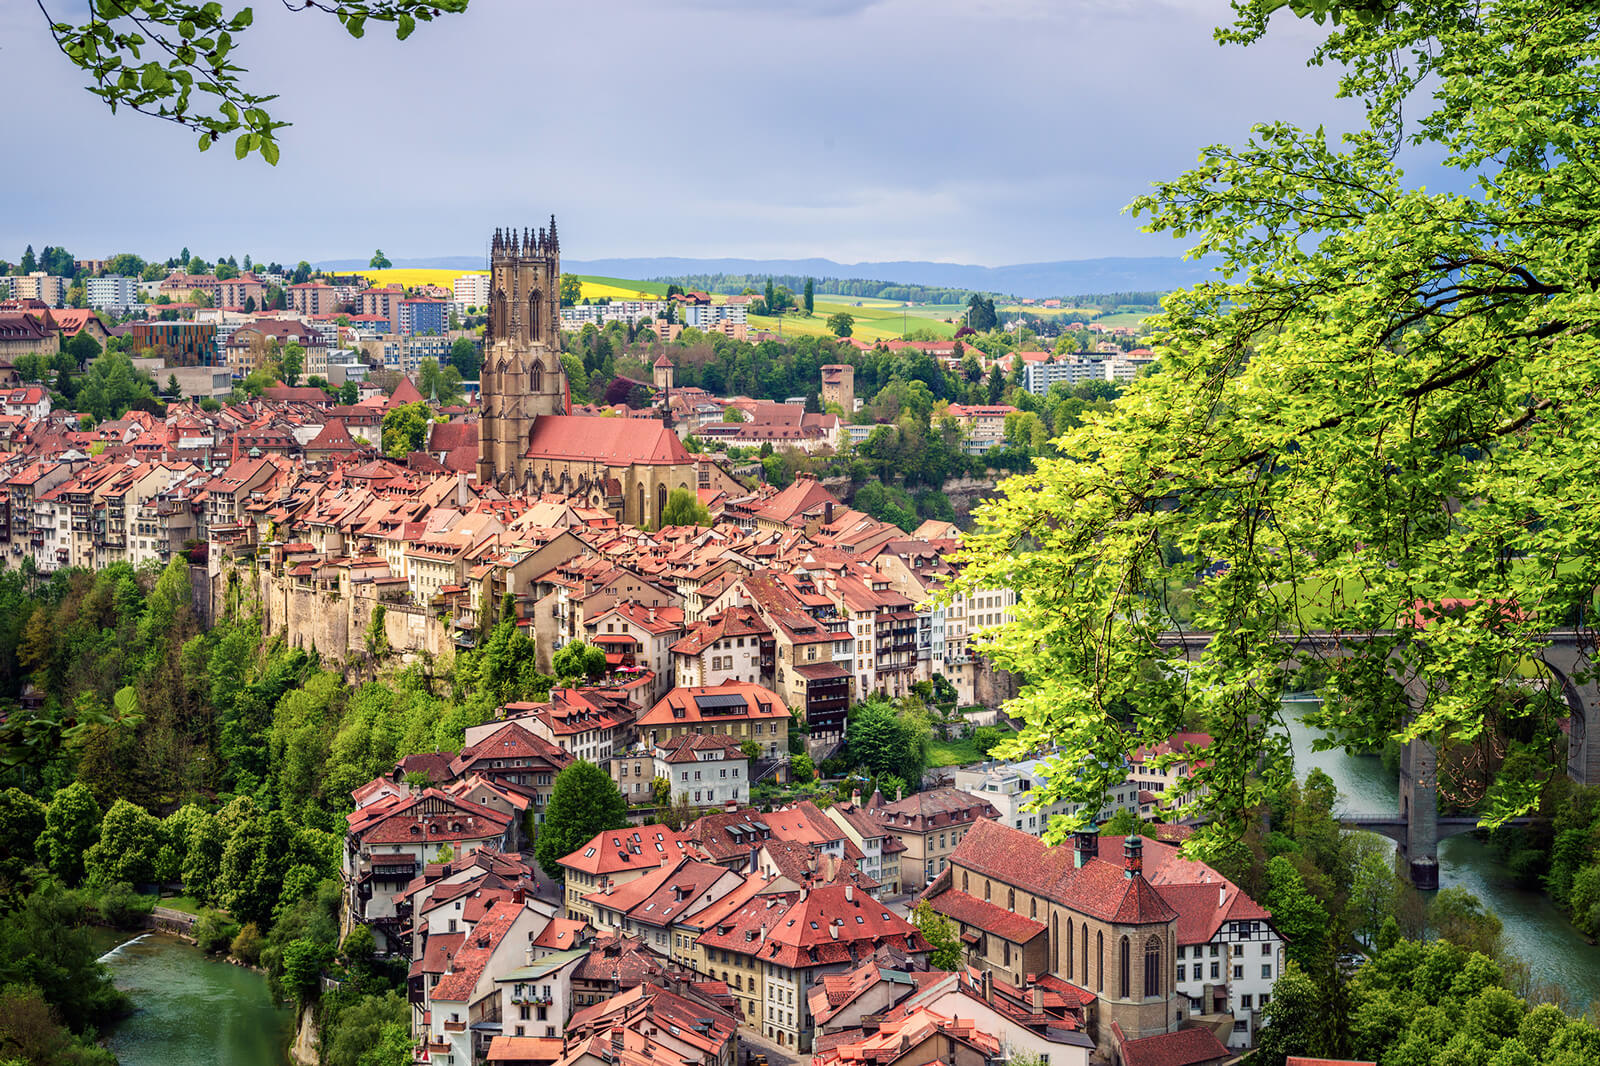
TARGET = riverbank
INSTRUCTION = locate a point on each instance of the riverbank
(193, 1010)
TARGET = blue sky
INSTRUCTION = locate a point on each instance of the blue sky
(980, 131)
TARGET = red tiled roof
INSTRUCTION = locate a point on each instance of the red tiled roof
(1186, 1047)
(997, 921)
(641, 848)
(611, 441)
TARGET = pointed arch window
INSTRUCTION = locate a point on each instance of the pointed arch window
(1100, 962)
(536, 376)
(1122, 967)
(1152, 966)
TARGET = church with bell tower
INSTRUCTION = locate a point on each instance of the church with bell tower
(522, 378)
(527, 441)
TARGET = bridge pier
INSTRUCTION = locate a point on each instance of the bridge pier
(1419, 811)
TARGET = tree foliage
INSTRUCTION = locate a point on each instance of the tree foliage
(941, 933)
(1383, 402)
(174, 60)
(685, 509)
(583, 802)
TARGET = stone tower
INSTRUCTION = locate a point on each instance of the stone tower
(522, 376)
(839, 386)
(662, 373)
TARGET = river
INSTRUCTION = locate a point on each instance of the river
(190, 1010)
(1534, 929)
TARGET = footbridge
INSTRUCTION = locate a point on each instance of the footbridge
(1417, 828)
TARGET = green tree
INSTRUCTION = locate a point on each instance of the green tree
(577, 662)
(1326, 370)
(584, 801)
(405, 429)
(112, 386)
(1297, 914)
(801, 767)
(465, 357)
(443, 382)
(941, 933)
(841, 323)
(361, 1033)
(883, 738)
(811, 303)
(1458, 916)
(571, 290)
(173, 60)
(303, 963)
(379, 261)
(349, 394)
(291, 363)
(71, 824)
(130, 840)
(685, 509)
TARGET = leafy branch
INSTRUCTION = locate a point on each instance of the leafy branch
(154, 56)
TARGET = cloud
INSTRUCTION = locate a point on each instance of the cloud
(993, 132)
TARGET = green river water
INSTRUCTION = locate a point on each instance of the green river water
(190, 1010)
(1534, 929)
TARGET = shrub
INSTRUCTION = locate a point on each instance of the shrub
(246, 947)
(123, 907)
(214, 932)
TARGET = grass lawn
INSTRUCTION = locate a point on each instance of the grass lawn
(1125, 318)
(186, 904)
(953, 752)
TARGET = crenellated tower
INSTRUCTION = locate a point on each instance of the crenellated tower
(522, 377)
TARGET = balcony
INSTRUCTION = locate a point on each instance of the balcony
(455, 1027)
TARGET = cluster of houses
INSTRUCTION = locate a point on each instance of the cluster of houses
(788, 927)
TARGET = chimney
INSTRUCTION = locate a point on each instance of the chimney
(1222, 896)
(462, 499)
(855, 797)
(1038, 1000)
(1085, 846)
(988, 987)
(899, 794)
(849, 893)
(1133, 856)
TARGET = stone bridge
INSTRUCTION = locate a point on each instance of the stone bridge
(1417, 828)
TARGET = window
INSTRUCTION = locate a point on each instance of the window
(1213, 951)
(1266, 971)
(1216, 972)
(1181, 950)
(1244, 1001)
(1122, 960)
(1152, 967)
(1181, 970)
(1238, 949)
(1266, 949)
(1100, 962)
(1238, 973)
(1011, 899)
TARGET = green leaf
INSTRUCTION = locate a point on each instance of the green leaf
(406, 25)
(241, 147)
(269, 152)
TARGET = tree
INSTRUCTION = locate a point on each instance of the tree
(405, 429)
(30, 262)
(584, 801)
(749, 748)
(685, 509)
(801, 768)
(154, 59)
(303, 962)
(443, 382)
(71, 824)
(811, 292)
(1307, 435)
(349, 394)
(1297, 914)
(571, 290)
(841, 324)
(379, 261)
(941, 933)
(174, 390)
(466, 358)
(980, 313)
(1458, 916)
(130, 838)
(291, 363)
(885, 739)
(578, 662)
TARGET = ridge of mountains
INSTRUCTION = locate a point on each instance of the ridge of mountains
(1067, 277)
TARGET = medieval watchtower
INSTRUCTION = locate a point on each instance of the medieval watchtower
(522, 376)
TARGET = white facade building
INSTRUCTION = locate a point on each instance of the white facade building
(113, 293)
(472, 290)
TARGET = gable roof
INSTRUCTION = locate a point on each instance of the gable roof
(612, 441)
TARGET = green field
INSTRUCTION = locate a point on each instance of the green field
(186, 904)
(1125, 318)
(875, 320)
(620, 288)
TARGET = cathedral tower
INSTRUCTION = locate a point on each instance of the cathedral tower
(522, 377)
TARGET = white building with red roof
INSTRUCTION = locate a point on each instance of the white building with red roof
(612, 859)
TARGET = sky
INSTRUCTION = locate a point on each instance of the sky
(973, 131)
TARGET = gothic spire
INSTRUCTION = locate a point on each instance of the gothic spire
(555, 245)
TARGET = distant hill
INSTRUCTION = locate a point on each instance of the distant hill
(1039, 280)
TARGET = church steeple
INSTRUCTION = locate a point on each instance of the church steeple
(522, 376)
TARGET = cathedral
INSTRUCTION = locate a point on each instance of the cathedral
(527, 441)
